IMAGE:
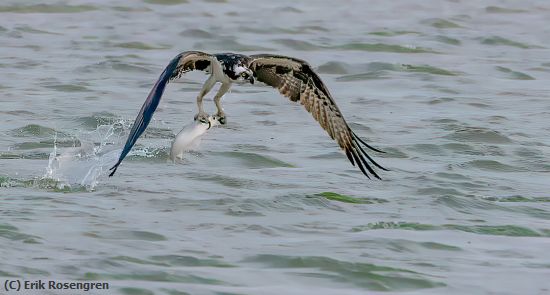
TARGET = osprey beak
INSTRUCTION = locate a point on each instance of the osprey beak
(251, 79)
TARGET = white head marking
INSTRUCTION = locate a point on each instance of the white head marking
(238, 69)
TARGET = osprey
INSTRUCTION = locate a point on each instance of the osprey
(294, 78)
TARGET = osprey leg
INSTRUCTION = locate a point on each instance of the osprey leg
(220, 115)
(202, 115)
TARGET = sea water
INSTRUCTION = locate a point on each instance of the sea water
(455, 92)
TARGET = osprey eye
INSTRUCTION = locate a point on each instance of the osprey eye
(243, 74)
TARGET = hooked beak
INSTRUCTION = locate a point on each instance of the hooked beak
(251, 79)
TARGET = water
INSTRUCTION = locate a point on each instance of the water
(455, 92)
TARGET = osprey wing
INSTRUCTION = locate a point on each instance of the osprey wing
(295, 79)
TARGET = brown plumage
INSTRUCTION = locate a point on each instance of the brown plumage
(295, 79)
(190, 61)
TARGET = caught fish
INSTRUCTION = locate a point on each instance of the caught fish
(189, 137)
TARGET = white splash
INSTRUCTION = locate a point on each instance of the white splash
(83, 165)
(189, 138)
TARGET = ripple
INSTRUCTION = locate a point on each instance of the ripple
(253, 160)
(289, 9)
(135, 291)
(496, 40)
(440, 100)
(439, 246)
(137, 260)
(140, 45)
(429, 149)
(251, 147)
(6, 181)
(439, 191)
(29, 145)
(498, 9)
(225, 180)
(197, 33)
(514, 74)
(12, 233)
(68, 88)
(29, 156)
(393, 33)
(334, 67)
(97, 119)
(174, 260)
(243, 210)
(33, 271)
(520, 199)
(299, 30)
(461, 148)
(495, 230)
(441, 23)
(116, 65)
(532, 158)
(152, 276)
(348, 199)
(34, 130)
(130, 9)
(314, 28)
(29, 29)
(479, 105)
(448, 40)
(364, 275)
(395, 225)
(229, 45)
(364, 76)
(452, 176)
(179, 260)
(127, 235)
(478, 134)
(428, 69)
(48, 184)
(378, 70)
(166, 2)
(298, 44)
(382, 47)
(466, 204)
(491, 165)
(47, 8)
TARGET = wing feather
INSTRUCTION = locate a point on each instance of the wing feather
(295, 79)
(182, 63)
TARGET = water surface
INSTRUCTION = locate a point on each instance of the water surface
(455, 92)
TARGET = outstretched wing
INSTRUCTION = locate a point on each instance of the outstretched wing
(295, 79)
(182, 63)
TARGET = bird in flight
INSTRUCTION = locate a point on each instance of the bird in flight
(294, 78)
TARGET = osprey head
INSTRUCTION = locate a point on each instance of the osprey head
(242, 73)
